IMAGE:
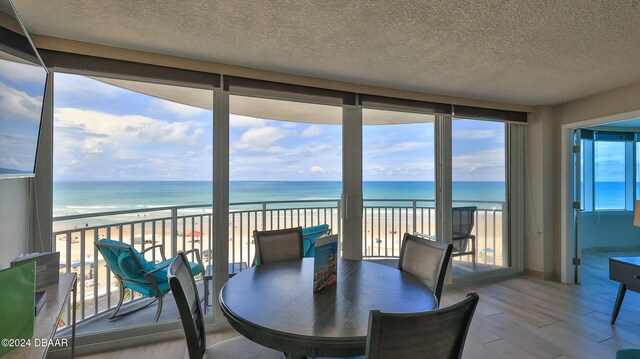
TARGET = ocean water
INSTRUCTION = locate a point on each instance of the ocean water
(73, 198)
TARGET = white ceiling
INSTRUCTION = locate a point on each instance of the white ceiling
(526, 52)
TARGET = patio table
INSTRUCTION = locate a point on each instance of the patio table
(274, 305)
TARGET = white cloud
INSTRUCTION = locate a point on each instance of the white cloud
(286, 124)
(19, 73)
(487, 165)
(260, 138)
(317, 170)
(246, 121)
(384, 147)
(474, 134)
(75, 87)
(18, 105)
(178, 109)
(127, 129)
(311, 131)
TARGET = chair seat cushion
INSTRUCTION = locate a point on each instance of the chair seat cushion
(147, 290)
(161, 275)
(240, 348)
(628, 354)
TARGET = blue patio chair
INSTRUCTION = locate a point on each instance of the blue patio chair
(309, 236)
(136, 273)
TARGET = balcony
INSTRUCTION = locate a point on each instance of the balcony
(182, 228)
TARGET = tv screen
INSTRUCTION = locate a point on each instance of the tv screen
(22, 86)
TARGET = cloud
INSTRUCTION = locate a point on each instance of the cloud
(383, 147)
(317, 170)
(178, 109)
(76, 87)
(246, 121)
(128, 129)
(475, 134)
(311, 131)
(260, 138)
(487, 165)
(19, 73)
(18, 105)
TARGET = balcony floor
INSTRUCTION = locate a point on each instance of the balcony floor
(101, 322)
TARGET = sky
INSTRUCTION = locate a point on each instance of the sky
(105, 133)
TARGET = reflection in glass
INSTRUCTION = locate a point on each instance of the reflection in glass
(22, 87)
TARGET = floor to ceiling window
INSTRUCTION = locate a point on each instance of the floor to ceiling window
(132, 162)
(285, 169)
(478, 191)
(398, 179)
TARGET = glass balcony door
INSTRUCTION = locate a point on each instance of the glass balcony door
(398, 163)
(285, 169)
(478, 188)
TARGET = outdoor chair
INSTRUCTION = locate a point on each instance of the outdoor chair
(278, 245)
(462, 222)
(440, 333)
(135, 273)
(180, 277)
(426, 259)
(309, 236)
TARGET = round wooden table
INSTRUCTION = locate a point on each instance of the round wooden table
(274, 305)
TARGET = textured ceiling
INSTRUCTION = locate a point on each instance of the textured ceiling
(526, 52)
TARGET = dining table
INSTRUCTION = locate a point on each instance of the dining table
(274, 305)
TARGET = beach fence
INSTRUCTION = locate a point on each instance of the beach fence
(170, 230)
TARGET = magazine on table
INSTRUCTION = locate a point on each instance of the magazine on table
(325, 268)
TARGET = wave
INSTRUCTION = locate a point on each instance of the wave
(93, 207)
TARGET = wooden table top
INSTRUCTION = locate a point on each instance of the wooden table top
(274, 305)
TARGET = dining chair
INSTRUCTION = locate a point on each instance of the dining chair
(187, 300)
(426, 259)
(278, 245)
(440, 333)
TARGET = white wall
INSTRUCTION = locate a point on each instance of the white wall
(14, 219)
(539, 231)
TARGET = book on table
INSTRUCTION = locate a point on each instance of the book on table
(325, 267)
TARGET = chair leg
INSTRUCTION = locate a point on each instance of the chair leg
(115, 313)
(473, 250)
(159, 310)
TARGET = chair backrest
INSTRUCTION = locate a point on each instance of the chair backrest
(434, 334)
(309, 236)
(186, 296)
(462, 221)
(426, 259)
(278, 245)
(122, 259)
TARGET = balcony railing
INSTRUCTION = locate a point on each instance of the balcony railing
(181, 228)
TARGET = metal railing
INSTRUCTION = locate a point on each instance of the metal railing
(386, 220)
(182, 228)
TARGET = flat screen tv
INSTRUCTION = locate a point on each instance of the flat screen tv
(22, 84)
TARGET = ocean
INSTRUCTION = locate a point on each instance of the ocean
(74, 198)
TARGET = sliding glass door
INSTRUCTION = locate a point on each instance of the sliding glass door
(398, 180)
(285, 169)
(479, 196)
